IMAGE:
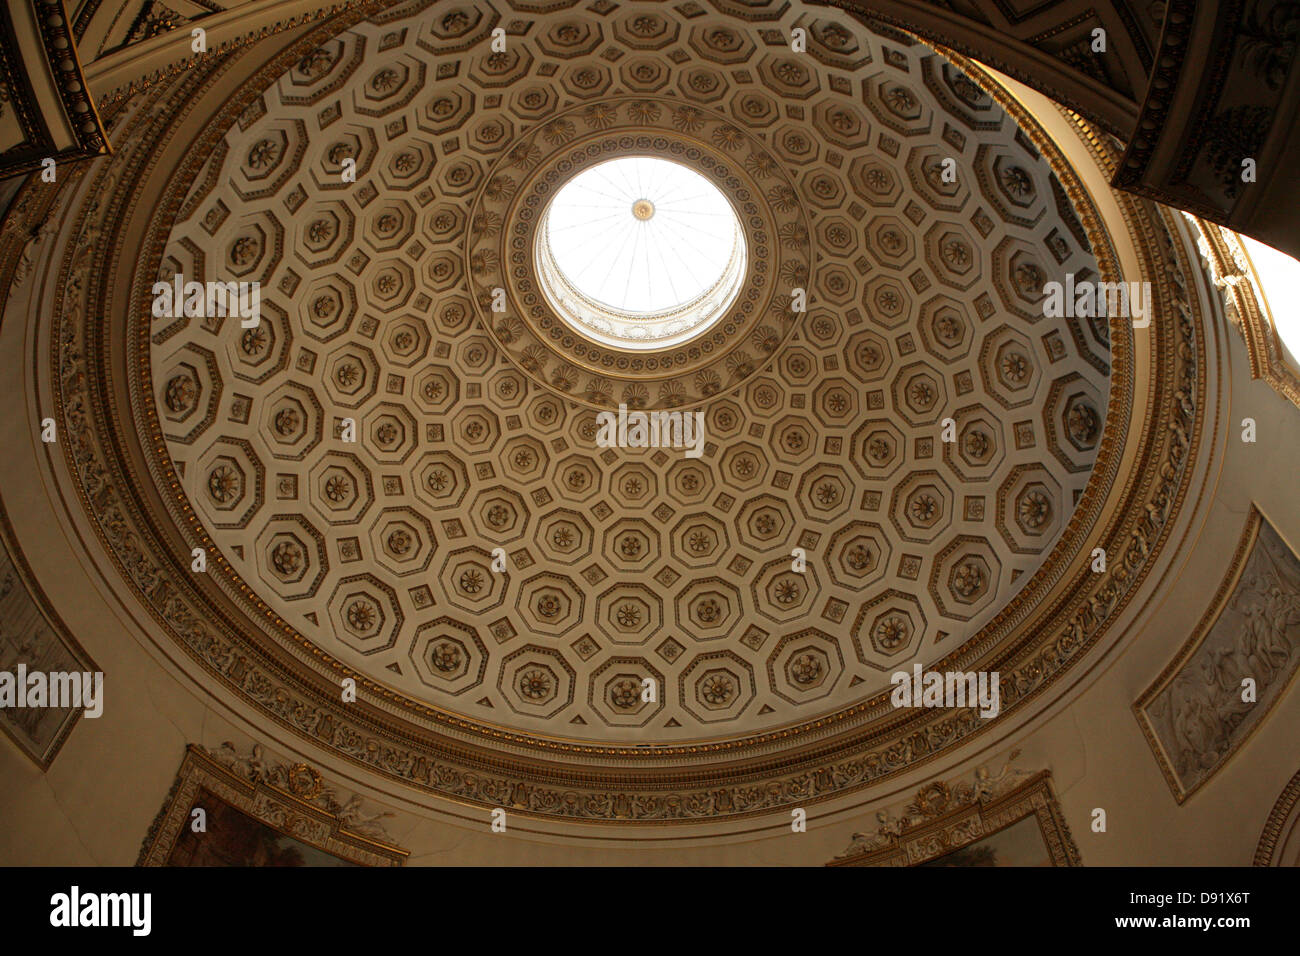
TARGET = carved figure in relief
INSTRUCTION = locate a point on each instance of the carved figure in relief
(1196, 727)
(1253, 639)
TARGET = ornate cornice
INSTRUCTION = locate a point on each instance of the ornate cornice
(1046, 80)
(341, 14)
(76, 134)
(61, 52)
(1164, 80)
(1226, 109)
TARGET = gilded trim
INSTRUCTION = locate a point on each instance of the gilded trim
(1272, 834)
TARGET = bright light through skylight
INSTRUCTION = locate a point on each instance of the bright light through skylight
(640, 234)
(1279, 274)
(641, 253)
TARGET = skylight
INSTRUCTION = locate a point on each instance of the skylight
(641, 253)
(1279, 276)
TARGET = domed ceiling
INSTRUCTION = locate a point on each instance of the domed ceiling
(919, 217)
(398, 477)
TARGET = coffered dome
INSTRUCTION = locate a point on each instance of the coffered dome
(587, 220)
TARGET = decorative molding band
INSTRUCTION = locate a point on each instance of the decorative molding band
(1063, 80)
(1281, 823)
(1164, 80)
(341, 14)
(1206, 120)
(65, 64)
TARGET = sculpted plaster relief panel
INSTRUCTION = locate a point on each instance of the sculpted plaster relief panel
(33, 636)
(1194, 715)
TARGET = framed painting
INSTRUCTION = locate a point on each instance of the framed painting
(246, 812)
(1006, 822)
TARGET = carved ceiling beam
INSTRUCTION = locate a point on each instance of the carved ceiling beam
(46, 112)
(1049, 48)
(1220, 119)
